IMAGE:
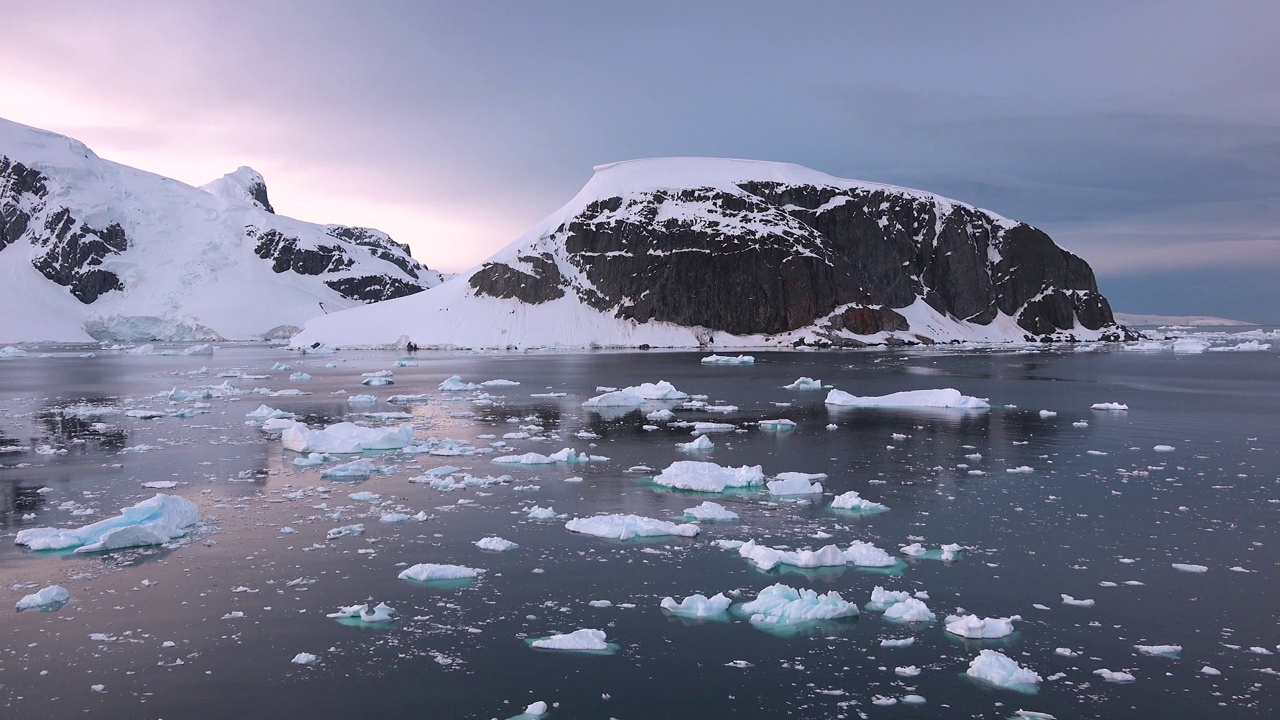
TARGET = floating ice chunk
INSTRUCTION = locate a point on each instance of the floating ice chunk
(380, 613)
(796, 483)
(424, 572)
(377, 381)
(662, 415)
(708, 427)
(728, 360)
(312, 459)
(909, 610)
(637, 395)
(707, 476)
(1046, 414)
(1114, 676)
(780, 605)
(585, 639)
(567, 455)
(391, 518)
(1210, 670)
(913, 550)
(882, 599)
(50, 598)
(154, 521)
(299, 377)
(499, 382)
(906, 671)
(1068, 600)
(766, 558)
(495, 544)
(1112, 406)
(1164, 448)
(454, 383)
(345, 531)
(972, 626)
(541, 513)
(942, 398)
(1190, 346)
(10, 351)
(853, 501)
(864, 554)
(897, 642)
(805, 383)
(781, 425)
(304, 658)
(1247, 346)
(345, 438)
(710, 512)
(160, 485)
(1183, 567)
(998, 669)
(1159, 650)
(701, 444)
(362, 399)
(355, 470)
(364, 496)
(626, 527)
(1020, 470)
(697, 606)
(266, 413)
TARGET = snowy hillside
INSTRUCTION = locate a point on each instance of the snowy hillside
(90, 249)
(687, 252)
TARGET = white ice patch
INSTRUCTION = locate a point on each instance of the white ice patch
(697, 606)
(566, 455)
(780, 605)
(701, 444)
(154, 521)
(627, 527)
(495, 544)
(796, 483)
(804, 383)
(455, 384)
(380, 613)
(637, 395)
(942, 398)
(853, 501)
(710, 512)
(1109, 406)
(728, 360)
(998, 669)
(972, 626)
(354, 470)
(345, 438)
(708, 477)
(47, 599)
(586, 639)
(425, 572)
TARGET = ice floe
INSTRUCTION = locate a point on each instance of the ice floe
(859, 554)
(626, 527)
(710, 512)
(996, 668)
(584, 640)
(495, 544)
(697, 606)
(1170, 651)
(941, 398)
(780, 605)
(637, 395)
(380, 613)
(567, 455)
(796, 483)
(426, 572)
(1115, 676)
(974, 627)
(1111, 406)
(49, 598)
(345, 438)
(854, 502)
(356, 470)
(701, 444)
(728, 360)
(804, 383)
(454, 383)
(1188, 568)
(708, 477)
(780, 425)
(304, 658)
(154, 521)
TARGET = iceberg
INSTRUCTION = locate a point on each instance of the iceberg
(585, 639)
(495, 544)
(266, 413)
(909, 610)
(974, 627)
(627, 527)
(636, 395)
(728, 360)
(154, 521)
(425, 572)
(355, 470)
(345, 438)
(701, 476)
(864, 554)
(345, 531)
(804, 383)
(996, 668)
(796, 483)
(710, 512)
(50, 598)
(454, 384)
(781, 425)
(567, 455)
(1159, 650)
(781, 605)
(1111, 406)
(381, 613)
(854, 502)
(697, 606)
(701, 444)
(304, 658)
(943, 398)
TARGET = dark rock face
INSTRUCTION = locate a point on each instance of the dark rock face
(380, 246)
(285, 255)
(258, 191)
(372, 288)
(779, 257)
(16, 181)
(542, 284)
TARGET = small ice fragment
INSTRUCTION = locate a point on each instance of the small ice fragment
(49, 598)
(796, 483)
(345, 531)
(999, 670)
(1112, 406)
(1183, 567)
(1114, 676)
(804, 383)
(779, 605)
(697, 606)
(1159, 650)
(495, 544)
(701, 444)
(711, 512)
(304, 658)
(972, 626)
(1163, 448)
(586, 639)
(537, 709)
(424, 572)
(626, 527)
(906, 671)
(1209, 670)
(1068, 600)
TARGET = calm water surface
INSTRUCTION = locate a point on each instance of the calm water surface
(1100, 507)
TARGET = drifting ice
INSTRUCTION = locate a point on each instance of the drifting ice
(709, 511)
(626, 527)
(996, 668)
(697, 606)
(48, 598)
(155, 521)
(804, 383)
(943, 398)
(345, 438)
(796, 483)
(707, 476)
(585, 639)
(637, 395)
(728, 360)
(784, 605)
(455, 384)
(495, 544)
(424, 572)
(853, 501)
(974, 627)
(380, 613)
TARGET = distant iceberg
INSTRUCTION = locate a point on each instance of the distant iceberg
(155, 521)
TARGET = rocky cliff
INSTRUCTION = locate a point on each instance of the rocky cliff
(695, 251)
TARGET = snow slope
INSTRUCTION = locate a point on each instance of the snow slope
(90, 249)
(704, 252)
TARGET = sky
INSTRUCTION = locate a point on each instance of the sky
(1143, 136)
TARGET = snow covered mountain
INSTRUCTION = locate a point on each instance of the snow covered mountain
(700, 252)
(90, 249)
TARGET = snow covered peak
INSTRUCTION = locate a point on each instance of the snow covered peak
(43, 149)
(245, 185)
